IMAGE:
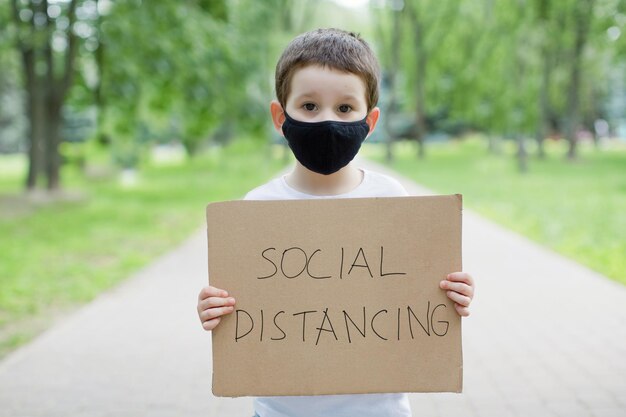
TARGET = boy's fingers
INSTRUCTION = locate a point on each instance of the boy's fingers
(461, 277)
(209, 291)
(459, 287)
(463, 311)
(212, 313)
(210, 324)
(215, 302)
(459, 299)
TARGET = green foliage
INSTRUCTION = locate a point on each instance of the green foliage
(218, 9)
(577, 209)
(189, 69)
(484, 59)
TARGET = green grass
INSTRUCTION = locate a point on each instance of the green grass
(62, 253)
(576, 208)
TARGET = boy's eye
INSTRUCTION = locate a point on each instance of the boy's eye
(344, 108)
(309, 106)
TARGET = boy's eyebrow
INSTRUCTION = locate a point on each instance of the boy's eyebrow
(350, 97)
(306, 94)
(314, 95)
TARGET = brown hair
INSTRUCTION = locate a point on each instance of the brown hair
(333, 48)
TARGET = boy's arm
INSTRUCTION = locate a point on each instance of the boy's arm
(213, 303)
(460, 288)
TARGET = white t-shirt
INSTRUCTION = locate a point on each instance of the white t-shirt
(358, 405)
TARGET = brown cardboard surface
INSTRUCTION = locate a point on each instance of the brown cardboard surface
(336, 296)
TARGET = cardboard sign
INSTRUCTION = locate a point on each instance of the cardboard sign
(336, 296)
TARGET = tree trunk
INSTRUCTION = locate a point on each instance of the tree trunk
(45, 91)
(53, 103)
(98, 96)
(544, 99)
(543, 14)
(583, 14)
(420, 117)
(572, 108)
(420, 74)
(35, 112)
(393, 71)
(35, 108)
(53, 156)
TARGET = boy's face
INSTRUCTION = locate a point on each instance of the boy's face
(320, 93)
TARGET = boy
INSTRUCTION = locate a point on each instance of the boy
(327, 89)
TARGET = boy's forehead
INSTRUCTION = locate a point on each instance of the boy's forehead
(315, 80)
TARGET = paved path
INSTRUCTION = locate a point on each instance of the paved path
(547, 337)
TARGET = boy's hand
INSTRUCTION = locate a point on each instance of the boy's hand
(460, 289)
(213, 303)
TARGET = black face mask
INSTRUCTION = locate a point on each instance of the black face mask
(324, 147)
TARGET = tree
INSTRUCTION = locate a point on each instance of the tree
(204, 80)
(543, 16)
(508, 69)
(48, 46)
(192, 71)
(582, 14)
(430, 21)
(390, 67)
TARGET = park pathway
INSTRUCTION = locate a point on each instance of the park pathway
(547, 337)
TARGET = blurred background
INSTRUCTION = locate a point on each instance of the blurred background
(121, 119)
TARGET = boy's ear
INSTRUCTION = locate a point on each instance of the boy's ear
(372, 119)
(278, 116)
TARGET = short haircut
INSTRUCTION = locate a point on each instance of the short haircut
(333, 48)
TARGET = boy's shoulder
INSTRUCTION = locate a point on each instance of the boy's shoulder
(271, 190)
(382, 185)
